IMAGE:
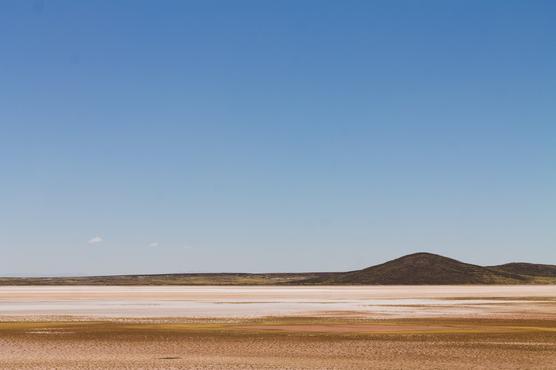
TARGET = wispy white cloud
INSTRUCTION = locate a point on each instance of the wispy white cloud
(97, 239)
(154, 244)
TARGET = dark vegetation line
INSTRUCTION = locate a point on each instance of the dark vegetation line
(413, 269)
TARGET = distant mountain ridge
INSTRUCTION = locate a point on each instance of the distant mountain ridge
(530, 269)
(424, 269)
(413, 269)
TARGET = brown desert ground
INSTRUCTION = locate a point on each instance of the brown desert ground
(423, 327)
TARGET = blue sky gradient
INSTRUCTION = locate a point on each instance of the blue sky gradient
(274, 135)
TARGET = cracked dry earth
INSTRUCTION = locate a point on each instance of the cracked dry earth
(519, 335)
(87, 348)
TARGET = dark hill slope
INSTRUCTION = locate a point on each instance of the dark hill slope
(413, 269)
(530, 269)
(422, 269)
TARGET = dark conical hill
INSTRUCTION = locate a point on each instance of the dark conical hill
(413, 269)
(423, 269)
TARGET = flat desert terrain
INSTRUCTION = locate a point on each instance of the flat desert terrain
(346, 327)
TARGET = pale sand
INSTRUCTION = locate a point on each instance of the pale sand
(245, 302)
(441, 327)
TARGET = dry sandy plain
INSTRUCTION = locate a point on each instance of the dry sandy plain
(377, 327)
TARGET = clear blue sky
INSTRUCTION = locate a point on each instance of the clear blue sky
(168, 136)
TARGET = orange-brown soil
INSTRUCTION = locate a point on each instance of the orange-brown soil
(280, 343)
